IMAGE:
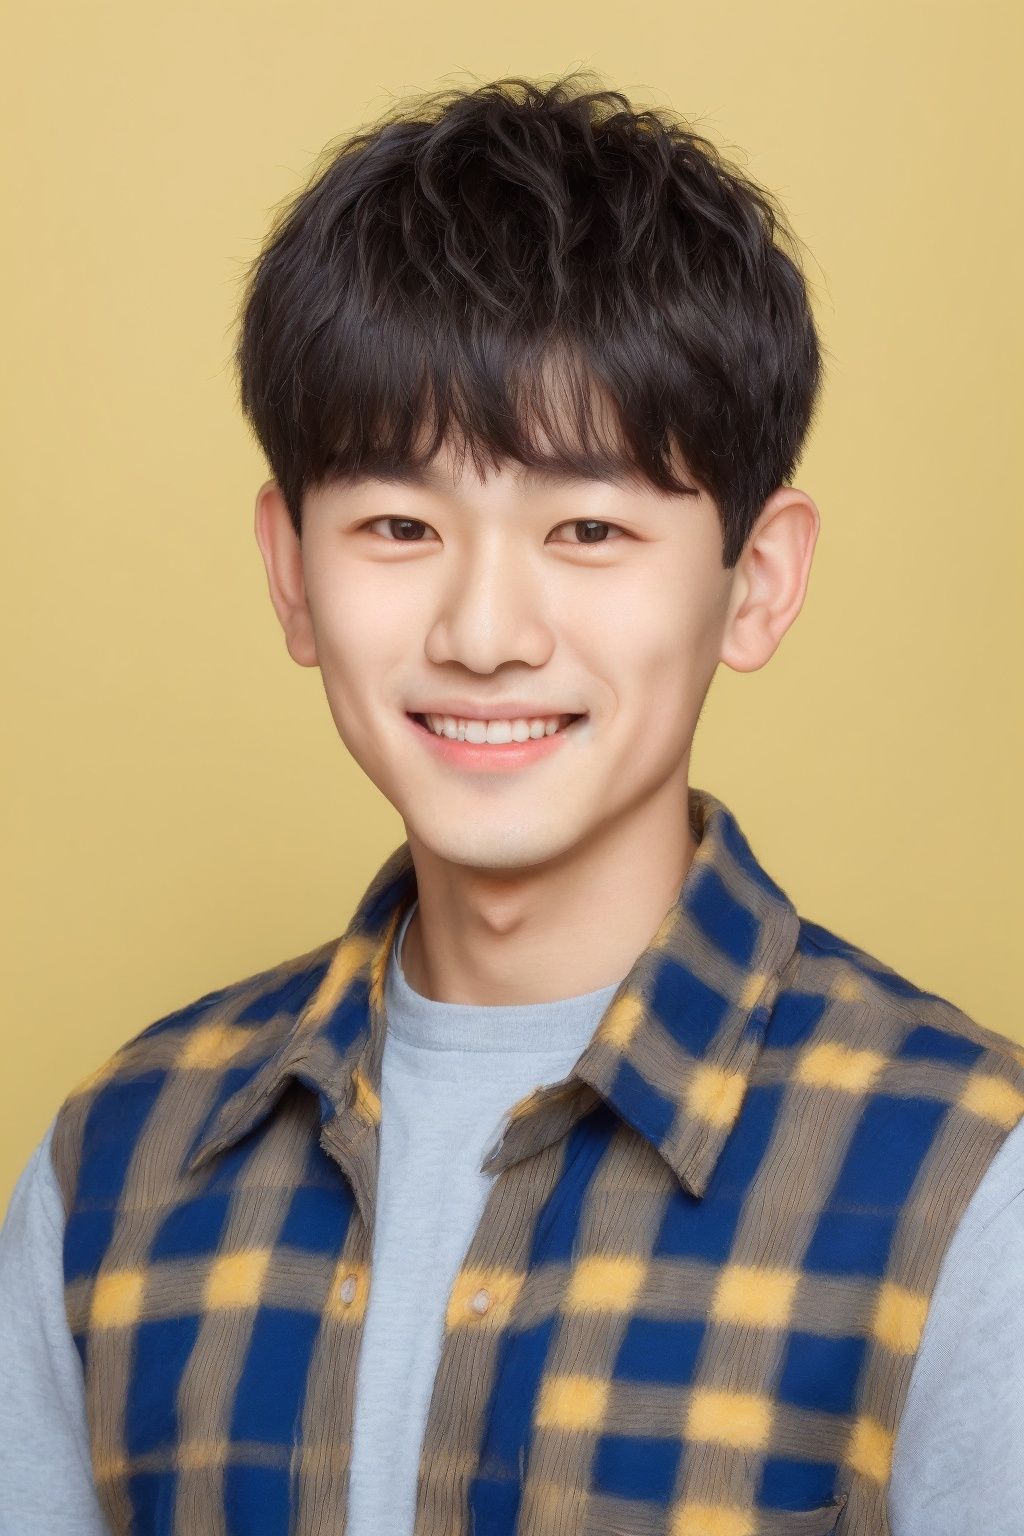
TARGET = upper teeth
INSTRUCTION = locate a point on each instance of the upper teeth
(494, 730)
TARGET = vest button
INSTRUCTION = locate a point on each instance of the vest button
(481, 1301)
(348, 1289)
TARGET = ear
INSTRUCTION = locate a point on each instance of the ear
(770, 579)
(282, 555)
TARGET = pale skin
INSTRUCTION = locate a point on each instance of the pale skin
(548, 881)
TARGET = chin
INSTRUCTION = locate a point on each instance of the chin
(502, 846)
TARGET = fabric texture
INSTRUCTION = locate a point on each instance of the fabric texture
(695, 1294)
(449, 1073)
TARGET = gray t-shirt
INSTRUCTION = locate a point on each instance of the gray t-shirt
(450, 1073)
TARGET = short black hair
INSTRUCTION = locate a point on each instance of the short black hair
(482, 260)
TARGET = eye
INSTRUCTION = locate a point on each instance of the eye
(401, 522)
(591, 522)
(413, 523)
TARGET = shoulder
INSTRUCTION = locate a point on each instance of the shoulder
(845, 993)
(222, 1038)
(34, 1204)
(31, 1237)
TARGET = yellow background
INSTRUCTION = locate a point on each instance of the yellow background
(178, 810)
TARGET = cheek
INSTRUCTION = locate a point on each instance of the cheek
(656, 641)
(353, 632)
(658, 658)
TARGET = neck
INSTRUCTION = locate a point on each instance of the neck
(567, 926)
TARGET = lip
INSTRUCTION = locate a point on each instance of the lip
(507, 709)
(497, 757)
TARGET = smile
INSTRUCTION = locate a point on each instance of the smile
(471, 748)
(495, 732)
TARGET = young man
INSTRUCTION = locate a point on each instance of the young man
(582, 1186)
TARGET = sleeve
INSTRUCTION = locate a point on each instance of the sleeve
(957, 1462)
(46, 1481)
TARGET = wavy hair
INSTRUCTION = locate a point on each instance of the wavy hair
(483, 263)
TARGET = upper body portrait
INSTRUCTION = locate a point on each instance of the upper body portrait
(582, 1186)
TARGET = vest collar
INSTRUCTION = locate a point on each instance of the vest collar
(672, 1053)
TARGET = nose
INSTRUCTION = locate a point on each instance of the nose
(492, 610)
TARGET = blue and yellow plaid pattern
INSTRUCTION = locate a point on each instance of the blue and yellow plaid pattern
(694, 1299)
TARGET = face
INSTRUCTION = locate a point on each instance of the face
(516, 596)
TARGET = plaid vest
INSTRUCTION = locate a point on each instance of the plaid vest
(694, 1299)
